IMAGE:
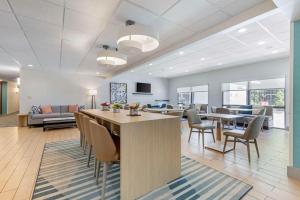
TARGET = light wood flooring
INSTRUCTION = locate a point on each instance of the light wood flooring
(21, 150)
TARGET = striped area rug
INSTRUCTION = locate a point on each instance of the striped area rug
(64, 174)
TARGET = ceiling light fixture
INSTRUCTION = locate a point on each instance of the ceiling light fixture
(111, 57)
(150, 64)
(220, 63)
(137, 37)
(242, 30)
(202, 59)
(275, 51)
(261, 42)
(131, 71)
(181, 53)
(186, 70)
(171, 68)
(29, 65)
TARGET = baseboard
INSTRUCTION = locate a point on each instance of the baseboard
(293, 172)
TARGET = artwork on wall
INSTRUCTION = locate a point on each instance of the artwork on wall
(118, 93)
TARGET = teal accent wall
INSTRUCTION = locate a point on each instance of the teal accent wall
(296, 96)
(4, 98)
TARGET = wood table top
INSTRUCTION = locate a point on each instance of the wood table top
(123, 118)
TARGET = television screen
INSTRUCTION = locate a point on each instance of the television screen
(143, 87)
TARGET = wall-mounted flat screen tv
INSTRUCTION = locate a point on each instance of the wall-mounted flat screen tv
(143, 87)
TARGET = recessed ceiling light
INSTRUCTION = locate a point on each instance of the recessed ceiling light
(171, 67)
(181, 52)
(220, 63)
(97, 73)
(261, 42)
(275, 51)
(150, 64)
(202, 59)
(187, 70)
(242, 30)
(29, 65)
(149, 73)
(132, 71)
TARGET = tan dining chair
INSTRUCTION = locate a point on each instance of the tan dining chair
(227, 112)
(248, 119)
(81, 122)
(76, 115)
(195, 122)
(246, 136)
(106, 150)
(87, 130)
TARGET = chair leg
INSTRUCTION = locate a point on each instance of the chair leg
(248, 150)
(224, 148)
(98, 172)
(213, 135)
(95, 166)
(234, 143)
(105, 169)
(80, 139)
(89, 158)
(256, 146)
(199, 136)
(190, 134)
(203, 139)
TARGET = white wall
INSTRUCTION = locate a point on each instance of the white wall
(12, 97)
(40, 87)
(257, 71)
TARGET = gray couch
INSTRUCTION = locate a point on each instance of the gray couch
(57, 112)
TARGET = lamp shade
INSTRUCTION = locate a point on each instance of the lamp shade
(111, 57)
(92, 92)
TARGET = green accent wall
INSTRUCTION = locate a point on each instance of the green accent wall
(4, 98)
(296, 96)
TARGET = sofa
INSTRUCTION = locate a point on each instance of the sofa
(36, 117)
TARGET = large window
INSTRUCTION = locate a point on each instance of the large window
(184, 95)
(235, 93)
(200, 94)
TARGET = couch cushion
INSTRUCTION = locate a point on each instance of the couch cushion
(43, 116)
(64, 108)
(67, 114)
(46, 109)
(55, 109)
(73, 108)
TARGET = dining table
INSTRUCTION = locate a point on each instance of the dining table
(219, 145)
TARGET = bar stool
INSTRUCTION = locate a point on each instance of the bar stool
(106, 150)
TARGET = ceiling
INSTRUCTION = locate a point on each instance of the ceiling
(63, 35)
(262, 38)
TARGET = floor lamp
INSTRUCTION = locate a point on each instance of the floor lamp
(93, 93)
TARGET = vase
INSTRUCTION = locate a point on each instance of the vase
(105, 108)
(133, 112)
(116, 110)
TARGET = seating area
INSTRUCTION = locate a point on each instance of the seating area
(149, 100)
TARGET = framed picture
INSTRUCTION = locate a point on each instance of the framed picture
(118, 93)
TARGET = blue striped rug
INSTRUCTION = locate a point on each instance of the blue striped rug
(63, 174)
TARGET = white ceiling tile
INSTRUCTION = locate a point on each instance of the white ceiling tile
(4, 6)
(128, 11)
(40, 10)
(110, 35)
(156, 6)
(8, 20)
(238, 6)
(221, 3)
(195, 11)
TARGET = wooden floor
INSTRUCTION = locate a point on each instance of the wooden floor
(21, 150)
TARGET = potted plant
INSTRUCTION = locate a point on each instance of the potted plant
(105, 106)
(116, 107)
(133, 109)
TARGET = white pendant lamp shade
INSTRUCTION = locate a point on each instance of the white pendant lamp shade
(111, 57)
(137, 37)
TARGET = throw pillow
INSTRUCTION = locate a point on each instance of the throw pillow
(35, 110)
(73, 108)
(81, 107)
(46, 109)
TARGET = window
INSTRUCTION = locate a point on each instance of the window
(270, 92)
(184, 95)
(200, 94)
(235, 93)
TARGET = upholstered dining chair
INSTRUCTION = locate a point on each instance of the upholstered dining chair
(81, 122)
(87, 130)
(76, 115)
(246, 137)
(106, 150)
(195, 122)
(248, 119)
(227, 122)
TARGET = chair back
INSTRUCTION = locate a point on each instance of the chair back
(86, 128)
(193, 118)
(204, 108)
(213, 109)
(254, 127)
(222, 110)
(104, 147)
(175, 113)
(262, 112)
(170, 106)
(76, 115)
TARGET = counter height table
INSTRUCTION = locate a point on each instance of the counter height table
(218, 146)
(150, 149)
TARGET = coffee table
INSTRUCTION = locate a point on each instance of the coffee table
(55, 123)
